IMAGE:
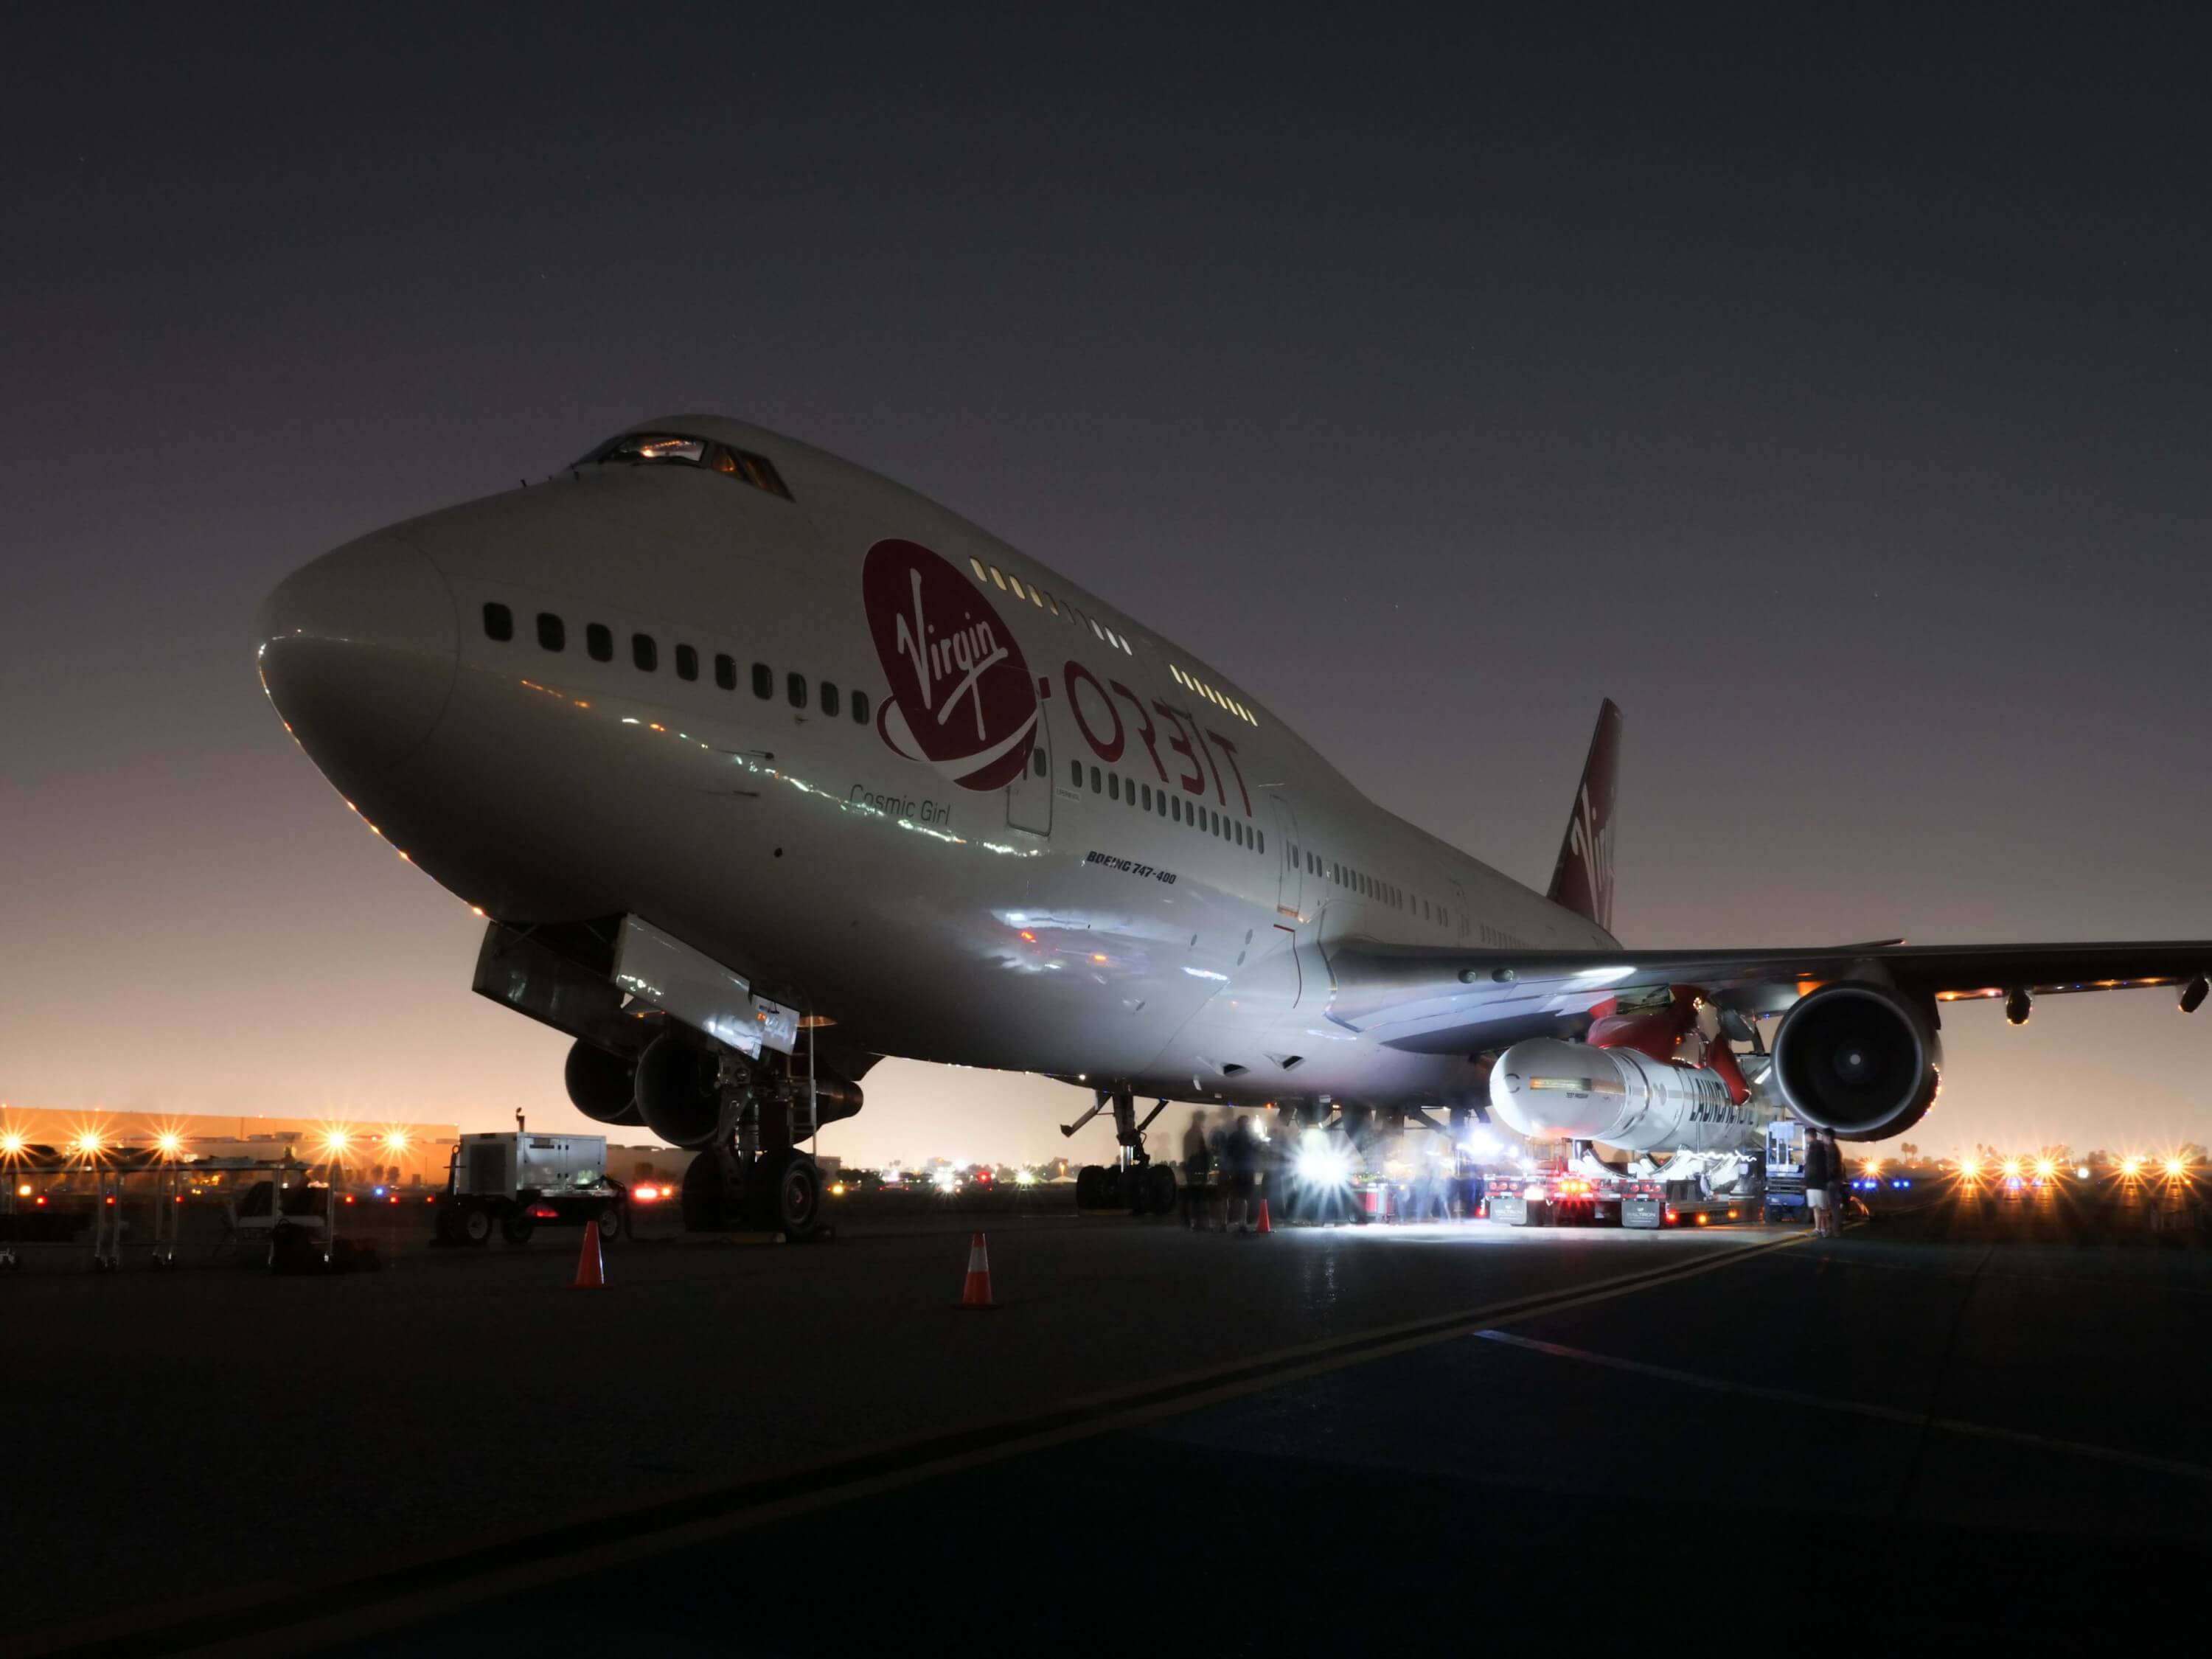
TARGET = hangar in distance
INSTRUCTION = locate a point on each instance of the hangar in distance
(762, 767)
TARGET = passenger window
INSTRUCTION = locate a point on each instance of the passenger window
(1097, 785)
(977, 565)
(1148, 796)
(599, 642)
(1075, 773)
(1160, 803)
(551, 635)
(687, 663)
(794, 689)
(1112, 785)
(1263, 841)
(1014, 586)
(499, 622)
(829, 693)
(1037, 596)
(1038, 761)
(1129, 791)
(764, 681)
(859, 709)
(725, 671)
(1175, 809)
(996, 577)
(644, 652)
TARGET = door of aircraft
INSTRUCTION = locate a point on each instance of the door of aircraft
(1289, 874)
(1029, 797)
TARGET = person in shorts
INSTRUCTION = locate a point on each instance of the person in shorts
(1820, 1176)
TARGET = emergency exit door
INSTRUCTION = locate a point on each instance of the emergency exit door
(1029, 797)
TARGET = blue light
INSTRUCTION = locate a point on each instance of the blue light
(379, 1191)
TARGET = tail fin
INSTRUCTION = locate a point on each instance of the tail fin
(1582, 879)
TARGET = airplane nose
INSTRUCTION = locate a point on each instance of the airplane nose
(358, 651)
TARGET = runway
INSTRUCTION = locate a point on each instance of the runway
(1261, 1442)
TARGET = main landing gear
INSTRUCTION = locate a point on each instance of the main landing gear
(1136, 1183)
(754, 1177)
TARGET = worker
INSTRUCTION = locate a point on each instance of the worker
(1822, 1172)
(1240, 1169)
(1197, 1170)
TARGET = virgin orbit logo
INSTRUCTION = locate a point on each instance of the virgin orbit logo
(961, 695)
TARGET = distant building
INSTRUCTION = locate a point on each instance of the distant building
(397, 1154)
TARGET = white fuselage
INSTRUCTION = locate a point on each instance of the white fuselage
(1154, 898)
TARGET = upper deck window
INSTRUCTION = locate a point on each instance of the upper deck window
(674, 449)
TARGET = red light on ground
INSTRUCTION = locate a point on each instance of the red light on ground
(111, 1200)
(544, 1214)
(645, 1195)
(348, 1198)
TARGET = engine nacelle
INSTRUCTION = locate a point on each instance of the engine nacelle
(603, 1086)
(677, 1090)
(1549, 1089)
(1857, 1058)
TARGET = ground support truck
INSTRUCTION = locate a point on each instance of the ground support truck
(518, 1181)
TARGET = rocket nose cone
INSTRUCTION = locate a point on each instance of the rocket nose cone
(358, 650)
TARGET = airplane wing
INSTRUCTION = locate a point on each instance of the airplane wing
(1436, 998)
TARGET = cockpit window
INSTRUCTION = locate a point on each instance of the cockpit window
(670, 448)
(657, 446)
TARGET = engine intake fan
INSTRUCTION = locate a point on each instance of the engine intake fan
(1858, 1058)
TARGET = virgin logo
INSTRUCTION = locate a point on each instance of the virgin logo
(961, 695)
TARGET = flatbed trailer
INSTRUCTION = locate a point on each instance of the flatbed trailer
(1556, 1198)
(1645, 1204)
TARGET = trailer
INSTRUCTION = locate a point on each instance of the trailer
(518, 1181)
(1555, 1198)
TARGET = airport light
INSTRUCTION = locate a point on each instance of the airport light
(1324, 1166)
(2012, 1169)
(170, 1143)
(395, 1141)
(2130, 1168)
(88, 1143)
(336, 1141)
(2080, 1172)
(1970, 1169)
(11, 1144)
(2044, 1169)
(2175, 1169)
(1025, 1176)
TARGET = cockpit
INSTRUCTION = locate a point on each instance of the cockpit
(675, 449)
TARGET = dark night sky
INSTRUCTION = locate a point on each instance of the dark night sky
(1835, 395)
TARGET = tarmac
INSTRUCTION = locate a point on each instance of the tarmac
(1322, 1438)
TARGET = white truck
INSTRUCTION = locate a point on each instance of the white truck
(518, 1181)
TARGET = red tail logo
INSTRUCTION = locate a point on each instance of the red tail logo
(1582, 879)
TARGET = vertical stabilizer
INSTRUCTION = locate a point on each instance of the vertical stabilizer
(1582, 879)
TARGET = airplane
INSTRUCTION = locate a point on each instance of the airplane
(761, 767)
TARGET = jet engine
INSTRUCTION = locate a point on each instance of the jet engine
(603, 1086)
(1550, 1090)
(679, 1095)
(677, 1089)
(1858, 1058)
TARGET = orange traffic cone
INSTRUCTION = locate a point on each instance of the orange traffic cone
(977, 1292)
(1263, 1227)
(590, 1268)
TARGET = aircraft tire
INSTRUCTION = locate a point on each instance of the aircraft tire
(790, 1187)
(706, 1198)
(1091, 1188)
(1160, 1192)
